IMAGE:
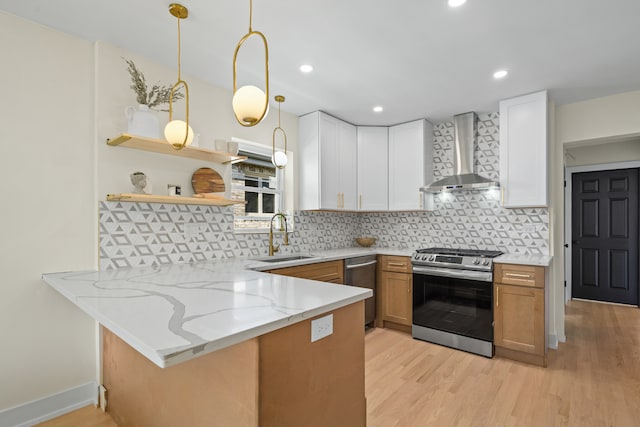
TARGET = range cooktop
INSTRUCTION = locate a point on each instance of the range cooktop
(469, 259)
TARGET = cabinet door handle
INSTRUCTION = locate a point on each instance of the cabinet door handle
(396, 264)
(502, 195)
(525, 276)
(360, 202)
(342, 200)
(497, 296)
(420, 200)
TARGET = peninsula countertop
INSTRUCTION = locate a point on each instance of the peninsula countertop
(173, 313)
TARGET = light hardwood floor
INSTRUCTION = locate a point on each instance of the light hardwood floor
(592, 380)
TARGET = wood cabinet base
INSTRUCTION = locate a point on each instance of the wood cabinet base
(520, 356)
(314, 384)
(278, 379)
(219, 388)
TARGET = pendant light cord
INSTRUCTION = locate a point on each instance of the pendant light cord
(250, 15)
(179, 77)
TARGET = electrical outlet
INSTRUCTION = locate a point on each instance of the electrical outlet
(322, 327)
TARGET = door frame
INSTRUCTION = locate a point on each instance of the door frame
(568, 179)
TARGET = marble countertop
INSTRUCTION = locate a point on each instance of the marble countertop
(174, 313)
(535, 260)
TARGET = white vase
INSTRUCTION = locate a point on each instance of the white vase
(142, 122)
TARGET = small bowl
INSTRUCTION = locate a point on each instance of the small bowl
(365, 241)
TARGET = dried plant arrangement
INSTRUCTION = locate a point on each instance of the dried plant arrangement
(152, 98)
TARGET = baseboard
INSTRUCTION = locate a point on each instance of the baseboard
(49, 407)
(553, 341)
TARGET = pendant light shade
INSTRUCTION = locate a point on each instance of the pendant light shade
(250, 104)
(178, 132)
(174, 133)
(279, 158)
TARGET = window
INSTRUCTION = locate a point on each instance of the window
(260, 184)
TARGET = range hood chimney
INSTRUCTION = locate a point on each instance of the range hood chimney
(465, 128)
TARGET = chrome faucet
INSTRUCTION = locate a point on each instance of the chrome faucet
(285, 241)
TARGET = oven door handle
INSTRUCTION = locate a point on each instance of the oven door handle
(483, 276)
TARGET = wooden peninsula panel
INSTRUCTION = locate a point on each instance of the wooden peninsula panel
(280, 379)
(314, 384)
(217, 389)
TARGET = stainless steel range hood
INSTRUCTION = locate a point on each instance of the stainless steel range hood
(465, 127)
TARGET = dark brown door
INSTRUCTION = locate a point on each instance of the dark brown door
(605, 236)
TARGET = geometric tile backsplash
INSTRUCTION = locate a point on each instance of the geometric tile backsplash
(144, 234)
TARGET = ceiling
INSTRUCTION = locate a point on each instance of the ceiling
(416, 58)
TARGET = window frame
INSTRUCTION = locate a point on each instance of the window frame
(262, 152)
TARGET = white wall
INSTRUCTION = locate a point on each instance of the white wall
(611, 118)
(613, 152)
(600, 118)
(48, 210)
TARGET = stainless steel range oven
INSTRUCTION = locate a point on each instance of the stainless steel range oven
(452, 298)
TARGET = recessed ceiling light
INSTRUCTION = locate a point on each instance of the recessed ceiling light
(500, 74)
(456, 3)
(306, 68)
(378, 109)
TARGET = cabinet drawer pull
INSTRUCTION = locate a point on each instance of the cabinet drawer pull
(525, 276)
(396, 264)
(497, 296)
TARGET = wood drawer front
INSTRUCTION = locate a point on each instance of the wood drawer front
(520, 275)
(331, 271)
(399, 264)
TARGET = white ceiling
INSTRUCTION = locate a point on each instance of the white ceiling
(417, 58)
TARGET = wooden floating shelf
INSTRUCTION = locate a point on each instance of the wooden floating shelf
(163, 147)
(176, 200)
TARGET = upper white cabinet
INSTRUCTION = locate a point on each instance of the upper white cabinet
(373, 168)
(410, 165)
(524, 150)
(328, 163)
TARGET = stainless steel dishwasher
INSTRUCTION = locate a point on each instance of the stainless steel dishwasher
(361, 272)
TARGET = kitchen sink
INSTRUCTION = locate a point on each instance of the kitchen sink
(282, 258)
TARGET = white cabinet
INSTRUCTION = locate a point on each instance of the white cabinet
(373, 168)
(328, 163)
(524, 151)
(410, 165)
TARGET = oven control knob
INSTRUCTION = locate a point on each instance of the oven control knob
(486, 262)
(476, 261)
(432, 258)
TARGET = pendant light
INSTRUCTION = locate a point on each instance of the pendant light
(250, 104)
(178, 132)
(279, 158)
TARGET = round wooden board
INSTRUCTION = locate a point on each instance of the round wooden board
(206, 180)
